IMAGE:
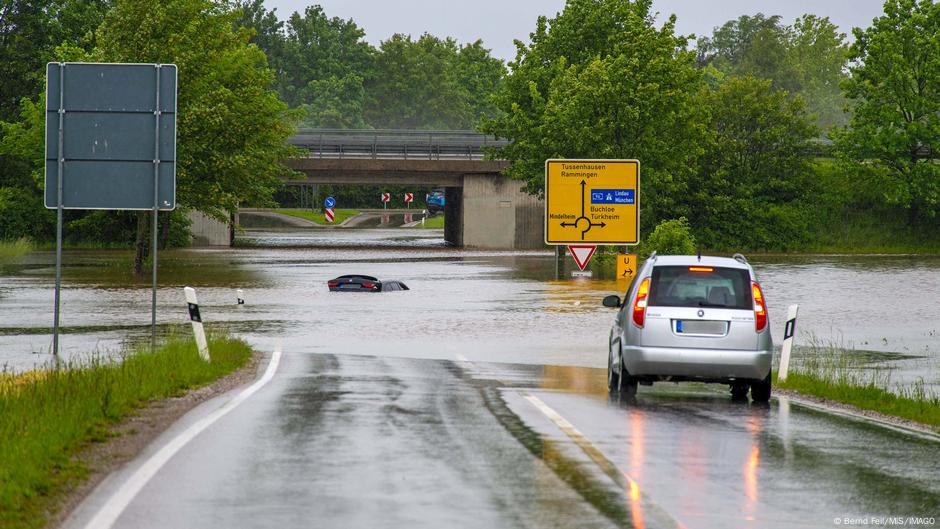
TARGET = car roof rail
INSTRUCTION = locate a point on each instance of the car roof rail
(740, 258)
(652, 256)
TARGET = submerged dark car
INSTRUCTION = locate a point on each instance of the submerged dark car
(362, 283)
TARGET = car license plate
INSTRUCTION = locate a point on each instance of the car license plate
(711, 327)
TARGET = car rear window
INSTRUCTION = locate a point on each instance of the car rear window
(700, 286)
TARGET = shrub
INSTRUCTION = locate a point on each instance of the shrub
(671, 237)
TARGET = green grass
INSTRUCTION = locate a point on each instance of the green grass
(435, 222)
(46, 418)
(13, 250)
(836, 374)
(317, 216)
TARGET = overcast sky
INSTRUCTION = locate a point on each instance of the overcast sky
(498, 22)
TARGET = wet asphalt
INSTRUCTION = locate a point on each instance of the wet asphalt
(364, 441)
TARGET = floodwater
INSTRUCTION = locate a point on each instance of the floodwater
(489, 306)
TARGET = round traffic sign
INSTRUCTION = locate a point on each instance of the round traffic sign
(329, 202)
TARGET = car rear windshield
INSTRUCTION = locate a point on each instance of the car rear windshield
(700, 286)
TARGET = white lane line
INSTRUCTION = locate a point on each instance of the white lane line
(114, 507)
(621, 478)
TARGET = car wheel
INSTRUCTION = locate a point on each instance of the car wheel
(739, 390)
(625, 383)
(613, 378)
(760, 390)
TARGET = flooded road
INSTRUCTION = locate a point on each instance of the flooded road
(478, 399)
(489, 306)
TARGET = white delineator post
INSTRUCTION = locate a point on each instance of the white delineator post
(788, 332)
(196, 320)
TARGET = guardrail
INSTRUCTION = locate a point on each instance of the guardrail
(395, 144)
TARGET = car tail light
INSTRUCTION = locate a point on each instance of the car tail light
(333, 284)
(760, 309)
(368, 285)
(639, 306)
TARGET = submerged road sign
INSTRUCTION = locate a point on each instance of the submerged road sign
(592, 202)
(582, 255)
(626, 266)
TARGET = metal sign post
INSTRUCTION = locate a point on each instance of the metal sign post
(103, 155)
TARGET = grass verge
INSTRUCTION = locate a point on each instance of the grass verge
(46, 418)
(435, 222)
(835, 374)
(12, 250)
(317, 216)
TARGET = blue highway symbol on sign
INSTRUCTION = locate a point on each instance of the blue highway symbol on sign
(613, 196)
(329, 202)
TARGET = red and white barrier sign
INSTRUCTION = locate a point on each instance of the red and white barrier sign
(386, 197)
(409, 198)
(328, 213)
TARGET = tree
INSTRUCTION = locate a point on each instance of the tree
(325, 50)
(756, 168)
(415, 85)
(819, 54)
(805, 59)
(601, 81)
(895, 89)
(231, 126)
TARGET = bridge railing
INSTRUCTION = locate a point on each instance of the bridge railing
(395, 144)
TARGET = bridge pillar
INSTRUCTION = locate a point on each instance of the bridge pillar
(453, 215)
(499, 214)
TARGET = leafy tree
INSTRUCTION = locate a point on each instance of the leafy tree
(334, 103)
(325, 50)
(805, 59)
(671, 237)
(481, 75)
(756, 170)
(819, 54)
(601, 81)
(415, 85)
(895, 88)
(231, 126)
(29, 31)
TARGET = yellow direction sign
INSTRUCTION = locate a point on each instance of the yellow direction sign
(626, 266)
(592, 201)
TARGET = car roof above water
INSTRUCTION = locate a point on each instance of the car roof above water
(693, 260)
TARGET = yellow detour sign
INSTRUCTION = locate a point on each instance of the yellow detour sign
(592, 201)
(626, 266)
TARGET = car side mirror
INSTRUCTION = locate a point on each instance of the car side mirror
(612, 302)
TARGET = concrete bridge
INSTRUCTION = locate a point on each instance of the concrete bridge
(483, 208)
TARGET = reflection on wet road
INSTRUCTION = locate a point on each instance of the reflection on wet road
(359, 441)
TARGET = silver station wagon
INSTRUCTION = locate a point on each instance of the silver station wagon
(688, 318)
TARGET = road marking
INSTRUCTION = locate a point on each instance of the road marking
(621, 478)
(114, 507)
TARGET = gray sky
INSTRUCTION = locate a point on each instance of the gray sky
(498, 22)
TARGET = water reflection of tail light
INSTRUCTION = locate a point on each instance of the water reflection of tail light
(750, 475)
(760, 310)
(639, 306)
